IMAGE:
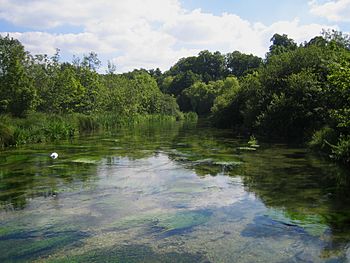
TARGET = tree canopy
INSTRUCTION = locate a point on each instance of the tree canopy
(299, 93)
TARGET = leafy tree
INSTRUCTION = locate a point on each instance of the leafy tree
(91, 61)
(337, 38)
(111, 68)
(211, 66)
(17, 92)
(201, 96)
(44, 71)
(66, 93)
(281, 44)
(183, 81)
(93, 95)
(239, 64)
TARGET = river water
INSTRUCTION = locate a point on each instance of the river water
(171, 192)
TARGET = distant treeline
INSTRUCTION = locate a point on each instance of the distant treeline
(299, 93)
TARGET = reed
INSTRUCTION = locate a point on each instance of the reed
(40, 127)
(190, 116)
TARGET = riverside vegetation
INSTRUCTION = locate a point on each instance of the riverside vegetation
(297, 93)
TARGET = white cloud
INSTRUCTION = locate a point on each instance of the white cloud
(40, 42)
(338, 10)
(141, 33)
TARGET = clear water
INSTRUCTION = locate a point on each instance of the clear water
(171, 193)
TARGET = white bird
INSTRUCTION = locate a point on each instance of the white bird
(54, 155)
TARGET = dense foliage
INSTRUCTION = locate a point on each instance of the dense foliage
(299, 93)
(40, 83)
(203, 75)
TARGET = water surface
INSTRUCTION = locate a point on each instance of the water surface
(171, 193)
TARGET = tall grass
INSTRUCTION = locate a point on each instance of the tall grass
(6, 132)
(110, 121)
(87, 122)
(40, 127)
(35, 128)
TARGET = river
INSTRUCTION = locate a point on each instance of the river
(171, 192)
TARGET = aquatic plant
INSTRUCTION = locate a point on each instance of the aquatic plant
(87, 122)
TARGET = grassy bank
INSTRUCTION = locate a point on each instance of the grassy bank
(39, 127)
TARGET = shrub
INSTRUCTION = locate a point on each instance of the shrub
(341, 151)
(323, 140)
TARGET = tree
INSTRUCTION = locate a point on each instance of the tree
(111, 68)
(17, 92)
(239, 64)
(43, 71)
(202, 96)
(281, 44)
(67, 93)
(211, 66)
(337, 38)
(183, 81)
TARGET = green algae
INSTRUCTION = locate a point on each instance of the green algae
(25, 249)
(183, 220)
(182, 191)
(132, 254)
(314, 225)
(164, 221)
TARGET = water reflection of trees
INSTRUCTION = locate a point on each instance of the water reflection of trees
(206, 151)
(289, 180)
(303, 187)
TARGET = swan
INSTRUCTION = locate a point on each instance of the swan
(54, 155)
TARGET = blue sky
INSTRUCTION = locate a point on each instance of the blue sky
(156, 33)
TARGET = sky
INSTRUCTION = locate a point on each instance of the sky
(157, 33)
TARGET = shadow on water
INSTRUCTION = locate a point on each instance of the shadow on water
(305, 194)
(304, 191)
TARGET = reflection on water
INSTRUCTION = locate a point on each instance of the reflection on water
(171, 193)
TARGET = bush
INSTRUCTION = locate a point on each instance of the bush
(341, 151)
(323, 140)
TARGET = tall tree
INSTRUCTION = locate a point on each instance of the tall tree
(17, 92)
(239, 64)
(281, 44)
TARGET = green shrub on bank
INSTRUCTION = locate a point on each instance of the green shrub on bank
(341, 151)
(328, 141)
(323, 140)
